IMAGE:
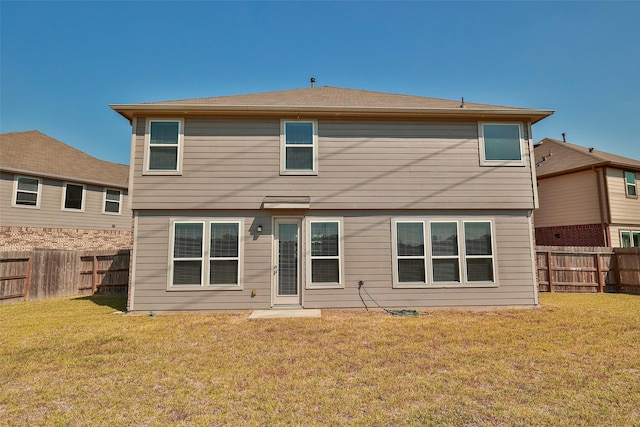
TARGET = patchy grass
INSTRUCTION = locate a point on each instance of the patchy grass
(574, 361)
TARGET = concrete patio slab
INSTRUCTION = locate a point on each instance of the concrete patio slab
(285, 314)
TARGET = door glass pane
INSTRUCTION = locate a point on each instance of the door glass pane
(288, 259)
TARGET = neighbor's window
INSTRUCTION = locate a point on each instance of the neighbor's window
(500, 143)
(298, 148)
(164, 145)
(187, 253)
(460, 252)
(325, 253)
(631, 188)
(630, 239)
(73, 197)
(224, 261)
(112, 201)
(27, 192)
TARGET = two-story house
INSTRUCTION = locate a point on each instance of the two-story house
(300, 197)
(55, 196)
(587, 197)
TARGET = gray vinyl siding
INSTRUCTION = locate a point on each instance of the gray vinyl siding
(50, 213)
(367, 257)
(234, 164)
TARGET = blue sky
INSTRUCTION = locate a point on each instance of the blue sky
(63, 63)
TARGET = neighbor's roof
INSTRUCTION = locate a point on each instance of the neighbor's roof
(555, 157)
(327, 100)
(34, 153)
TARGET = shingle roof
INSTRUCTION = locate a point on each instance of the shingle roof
(326, 99)
(566, 157)
(37, 154)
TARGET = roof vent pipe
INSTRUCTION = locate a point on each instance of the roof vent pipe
(564, 137)
(313, 81)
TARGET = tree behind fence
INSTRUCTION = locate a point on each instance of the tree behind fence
(48, 273)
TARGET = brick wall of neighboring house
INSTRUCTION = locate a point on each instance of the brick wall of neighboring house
(571, 235)
(28, 238)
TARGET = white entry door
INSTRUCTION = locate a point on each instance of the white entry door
(286, 269)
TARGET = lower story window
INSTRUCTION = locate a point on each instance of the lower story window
(193, 242)
(460, 252)
(630, 239)
(27, 191)
(325, 252)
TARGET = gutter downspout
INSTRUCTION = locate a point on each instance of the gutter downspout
(607, 236)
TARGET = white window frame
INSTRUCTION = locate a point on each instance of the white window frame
(148, 146)
(395, 257)
(64, 197)
(627, 185)
(631, 234)
(457, 257)
(206, 255)
(38, 193)
(428, 255)
(238, 258)
(104, 201)
(309, 257)
(484, 161)
(283, 148)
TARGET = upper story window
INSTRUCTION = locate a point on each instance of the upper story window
(501, 144)
(112, 201)
(631, 188)
(27, 192)
(164, 146)
(298, 147)
(73, 197)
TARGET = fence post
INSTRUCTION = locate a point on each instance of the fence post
(95, 274)
(27, 280)
(549, 271)
(599, 273)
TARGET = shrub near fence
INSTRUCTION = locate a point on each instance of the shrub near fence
(587, 269)
(41, 274)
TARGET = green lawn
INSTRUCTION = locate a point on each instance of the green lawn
(574, 361)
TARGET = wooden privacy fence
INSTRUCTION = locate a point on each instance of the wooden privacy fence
(47, 273)
(583, 269)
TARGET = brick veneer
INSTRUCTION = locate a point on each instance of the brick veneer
(571, 235)
(28, 238)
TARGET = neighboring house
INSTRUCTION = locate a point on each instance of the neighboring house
(54, 196)
(587, 197)
(296, 198)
